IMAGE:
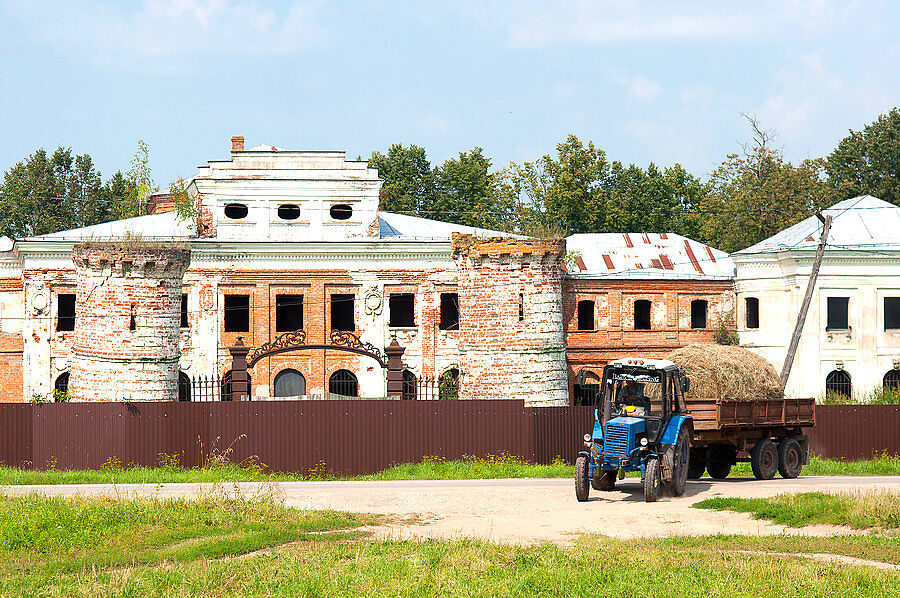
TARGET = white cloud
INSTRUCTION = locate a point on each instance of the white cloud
(436, 124)
(641, 88)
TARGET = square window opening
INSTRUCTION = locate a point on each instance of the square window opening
(237, 313)
(402, 310)
(698, 313)
(449, 311)
(65, 311)
(751, 311)
(585, 315)
(342, 312)
(642, 314)
(838, 313)
(892, 313)
(288, 313)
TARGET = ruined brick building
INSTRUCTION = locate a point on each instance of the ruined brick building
(293, 242)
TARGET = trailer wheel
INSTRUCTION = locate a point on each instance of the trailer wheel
(790, 461)
(718, 470)
(764, 459)
(652, 481)
(603, 480)
(582, 489)
(697, 464)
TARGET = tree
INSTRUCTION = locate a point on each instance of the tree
(467, 193)
(408, 180)
(868, 162)
(140, 185)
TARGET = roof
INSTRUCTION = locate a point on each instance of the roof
(647, 255)
(165, 225)
(401, 225)
(863, 222)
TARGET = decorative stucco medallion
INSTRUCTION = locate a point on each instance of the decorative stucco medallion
(374, 301)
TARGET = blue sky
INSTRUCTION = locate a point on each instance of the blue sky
(646, 81)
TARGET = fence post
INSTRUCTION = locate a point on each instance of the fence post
(394, 354)
(239, 386)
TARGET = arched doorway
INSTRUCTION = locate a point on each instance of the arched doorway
(838, 382)
(184, 387)
(891, 380)
(586, 390)
(344, 383)
(448, 385)
(289, 383)
(409, 392)
(61, 384)
(226, 385)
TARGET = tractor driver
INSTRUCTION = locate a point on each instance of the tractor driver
(632, 394)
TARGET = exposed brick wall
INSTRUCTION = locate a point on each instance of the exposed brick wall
(116, 286)
(11, 354)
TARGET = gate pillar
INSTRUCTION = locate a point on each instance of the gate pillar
(394, 354)
(239, 386)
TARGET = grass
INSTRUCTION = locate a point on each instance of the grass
(882, 464)
(858, 510)
(107, 547)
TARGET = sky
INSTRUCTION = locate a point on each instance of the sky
(660, 82)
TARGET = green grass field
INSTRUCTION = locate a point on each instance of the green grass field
(107, 547)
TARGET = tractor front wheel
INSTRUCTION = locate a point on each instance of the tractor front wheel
(582, 486)
(603, 480)
(652, 481)
(764, 459)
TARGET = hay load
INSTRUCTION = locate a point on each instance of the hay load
(727, 372)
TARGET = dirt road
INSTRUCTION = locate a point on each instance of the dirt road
(520, 511)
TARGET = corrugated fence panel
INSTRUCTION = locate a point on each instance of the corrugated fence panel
(559, 432)
(855, 431)
(15, 435)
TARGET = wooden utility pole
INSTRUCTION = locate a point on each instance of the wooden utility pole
(804, 308)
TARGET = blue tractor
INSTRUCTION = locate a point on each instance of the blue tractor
(642, 425)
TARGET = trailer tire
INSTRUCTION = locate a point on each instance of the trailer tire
(603, 480)
(582, 486)
(764, 459)
(697, 464)
(790, 458)
(652, 481)
(718, 470)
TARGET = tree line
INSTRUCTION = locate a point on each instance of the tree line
(751, 195)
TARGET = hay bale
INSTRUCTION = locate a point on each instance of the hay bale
(727, 372)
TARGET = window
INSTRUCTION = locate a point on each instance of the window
(408, 392)
(65, 311)
(586, 315)
(521, 307)
(290, 383)
(132, 320)
(236, 211)
(341, 211)
(185, 323)
(837, 318)
(892, 313)
(288, 211)
(449, 311)
(288, 313)
(184, 387)
(226, 385)
(698, 313)
(586, 390)
(751, 310)
(342, 317)
(838, 382)
(402, 310)
(62, 383)
(448, 385)
(891, 380)
(343, 383)
(237, 313)
(642, 314)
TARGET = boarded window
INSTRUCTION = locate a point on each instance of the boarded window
(838, 382)
(449, 311)
(642, 314)
(237, 313)
(837, 313)
(586, 315)
(342, 310)
(184, 312)
(402, 308)
(892, 313)
(65, 311)
(408, 390)
(288, 313)
(343, 383)
(290, 383)
(751, 310)
(698, 313)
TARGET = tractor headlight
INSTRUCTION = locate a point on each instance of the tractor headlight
(644, 441)
(587, 437)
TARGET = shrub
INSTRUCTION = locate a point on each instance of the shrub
(725, 334)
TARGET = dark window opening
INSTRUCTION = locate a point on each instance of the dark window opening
(586, 315)
(65, 311)
(838, 317)
(343, 383)
(642, 314)
(751, 305)
(185, 323)
(290, 383)
(698, 313)
(341, 211)
(402, 310)
(237, 313)
(892, 313)
(586, 390)
(236, 211)
(184, 387)
(449, 311)
(62, 383)
(891, 380)
(521, 307)
(838, 382)
(288, 313)
(448, 385)
(408, 391)
(288, 211)
(342, 311)
(132, 321)
(226, 385)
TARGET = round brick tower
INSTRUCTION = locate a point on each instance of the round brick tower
(512, 339)
(127, 318)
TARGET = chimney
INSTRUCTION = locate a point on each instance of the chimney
(237, 144)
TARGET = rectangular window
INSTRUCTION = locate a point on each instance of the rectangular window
(698, 313)
(838, 318)
(521, 307)
(288, 313)
(65, 311)
(751, 309)
(237, 313)
(892, 313)
(642, 314)
(449, 311)
(342, 317)
(402, 310)
(586, 315)
(184, 311)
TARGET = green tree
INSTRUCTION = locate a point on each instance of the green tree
(408, 180)
(867, 162)
(467, 193)
(140, 185)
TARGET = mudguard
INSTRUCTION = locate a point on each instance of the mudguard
(670, 435)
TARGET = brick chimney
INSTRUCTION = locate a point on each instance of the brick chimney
(237, 144)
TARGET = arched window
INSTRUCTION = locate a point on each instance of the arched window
(226, 385)
(586, 390)
(62, 383)
(838, 382)
(409, 386)
(290, 383)
(344, 383)
(448, 385)
(184, 387)
(892, 380)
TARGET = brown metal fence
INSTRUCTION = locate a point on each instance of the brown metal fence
(346, 436)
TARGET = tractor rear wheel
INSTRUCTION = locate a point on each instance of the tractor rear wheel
(652, 481)
(764, 459)
(582, 487)
(680, 461)
(718, 470)
(790, 461)
(603, 480)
